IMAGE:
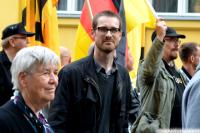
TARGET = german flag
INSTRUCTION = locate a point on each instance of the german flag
(40, 17)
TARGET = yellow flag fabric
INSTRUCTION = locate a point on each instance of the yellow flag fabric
(134, 43)
(83, 36)
(138, 16)
(41, 18)
(138, 12)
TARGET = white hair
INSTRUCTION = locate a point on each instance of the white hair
(28, 58)
(5, 42)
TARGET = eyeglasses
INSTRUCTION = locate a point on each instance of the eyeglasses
(20, 37)
(176, 40)
(105, 30)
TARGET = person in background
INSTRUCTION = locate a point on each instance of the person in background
(161, 86)
(14, 38)
(34, 74)
(129, 61)
(65, 56)
(135, 107)
(93, 94)
(194, 6)
(189, 54)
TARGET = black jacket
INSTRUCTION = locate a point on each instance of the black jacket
(77, 104)
(5, 79)
(12, 120)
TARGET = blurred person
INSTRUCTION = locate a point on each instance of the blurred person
(129, 61)
(189, 54)
(93, 94)
(65, 56)
(135, 98)
(161, 86)
(34, 74)
(14, 38)
(194, 6)
(191, 102)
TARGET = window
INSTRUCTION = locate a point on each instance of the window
(70, 7)
(175, 9)
(62, 5)
(165, 5)
(176, 6)
(194, 6)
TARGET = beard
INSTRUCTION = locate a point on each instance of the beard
(173, 57)
(107, 48)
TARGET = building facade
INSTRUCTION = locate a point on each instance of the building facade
(184, 16)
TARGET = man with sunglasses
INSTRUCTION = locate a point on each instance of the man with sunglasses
(170, 53)
(14, 38)
(161, 85)
(93, 93)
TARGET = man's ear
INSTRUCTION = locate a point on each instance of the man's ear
(93, 33)
(11, 42)
(192, 58)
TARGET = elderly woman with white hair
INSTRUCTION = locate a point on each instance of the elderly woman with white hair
(34, 74)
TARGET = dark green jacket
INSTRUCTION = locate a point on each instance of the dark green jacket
(157, 90)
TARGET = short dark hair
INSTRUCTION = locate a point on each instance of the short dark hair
(187, 49)
(106, 13)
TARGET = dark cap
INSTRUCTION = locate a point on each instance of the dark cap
(15, 29)
(169, 33)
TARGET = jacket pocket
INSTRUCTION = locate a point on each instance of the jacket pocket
(87, 112)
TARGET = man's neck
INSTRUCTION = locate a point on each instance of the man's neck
(10, 54)
(189, 68)
(105, 60)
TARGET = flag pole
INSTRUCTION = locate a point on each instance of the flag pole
(89, 9)
(152, 9)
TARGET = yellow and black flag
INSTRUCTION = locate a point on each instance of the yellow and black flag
(40, 17)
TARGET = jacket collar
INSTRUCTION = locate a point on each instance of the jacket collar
(92, 68)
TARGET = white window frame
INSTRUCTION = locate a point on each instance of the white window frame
(181, 14)
(70, 12)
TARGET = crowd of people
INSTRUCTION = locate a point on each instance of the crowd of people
(95, 94)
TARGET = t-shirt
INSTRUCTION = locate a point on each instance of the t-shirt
(176, 121)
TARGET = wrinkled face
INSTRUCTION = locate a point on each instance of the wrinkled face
(107, 34)
(38, 87)
(171, 48)
(20, 41)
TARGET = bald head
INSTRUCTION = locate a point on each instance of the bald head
(65, 56)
